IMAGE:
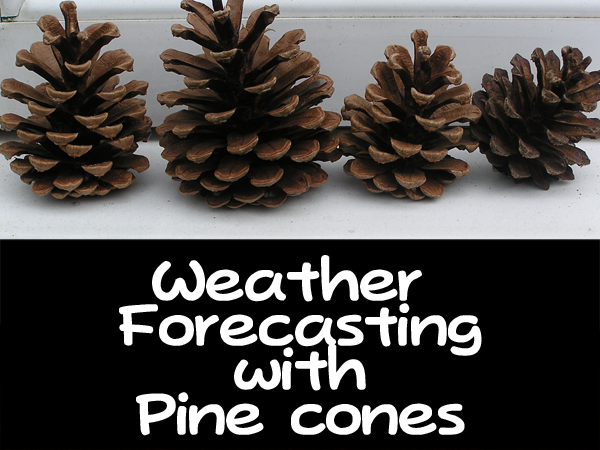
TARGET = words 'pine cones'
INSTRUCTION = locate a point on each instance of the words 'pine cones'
(529, 130)
(81, 137)
(250, 133)
(401, 132)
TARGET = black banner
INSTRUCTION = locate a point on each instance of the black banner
(361, 345)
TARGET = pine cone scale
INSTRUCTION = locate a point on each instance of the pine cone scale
(409, 179)
(432, 188)
(434, 155)
(273, 150)
(29, 61)
(20, 166)
(571, 154)
(43, 186)
(24, 93)
(241, 143)
(28, 137)
(232, 168)
(380, 156)
(588, 80)
(249, 194)
(40, 164)
(94, 37)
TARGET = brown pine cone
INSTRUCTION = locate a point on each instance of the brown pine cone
(529, 130)
(81, 137)
(251, 131)
(402, 132)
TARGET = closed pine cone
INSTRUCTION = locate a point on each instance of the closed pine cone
(250, 133)
(401, 132)
(81, 137)
(529, 130)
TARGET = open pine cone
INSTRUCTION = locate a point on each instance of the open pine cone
(250, 133)
(402, 132)
(529, 130)
(81, 137)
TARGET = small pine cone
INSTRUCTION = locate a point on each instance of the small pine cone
(401, 133)
(81, 137)
(529, 130)
(251, 131)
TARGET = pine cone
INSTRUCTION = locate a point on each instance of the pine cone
(250, 133)
(82, 135)
(401, 133)
(529, 130)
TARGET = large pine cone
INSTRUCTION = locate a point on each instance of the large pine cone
(529, 131)
(250, 132)
(82, 135)
(401, 133)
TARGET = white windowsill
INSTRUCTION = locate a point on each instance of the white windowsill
(482, 205)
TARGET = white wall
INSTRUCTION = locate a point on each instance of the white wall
(30, 10)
